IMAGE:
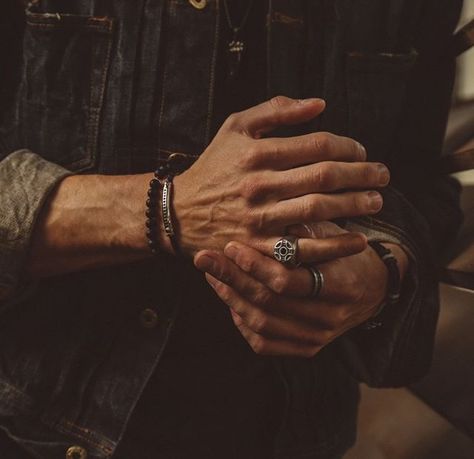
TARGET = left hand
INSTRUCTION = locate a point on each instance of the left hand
(270, 303)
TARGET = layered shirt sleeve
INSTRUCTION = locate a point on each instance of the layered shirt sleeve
(26, 179)
(421, 213)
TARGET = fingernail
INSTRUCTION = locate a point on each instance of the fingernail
(212, 281)
(375, 201)
(362, 151)
(384, 174)
(205, 263)
(231, 251)
(311, 101)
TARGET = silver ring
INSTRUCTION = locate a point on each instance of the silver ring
(318, 283)
(286, 250)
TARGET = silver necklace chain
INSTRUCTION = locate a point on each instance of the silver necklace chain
(236, 46)
(237, 29)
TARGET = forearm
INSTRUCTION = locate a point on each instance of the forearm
(90, 221)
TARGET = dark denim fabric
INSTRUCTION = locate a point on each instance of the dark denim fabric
(108, 87)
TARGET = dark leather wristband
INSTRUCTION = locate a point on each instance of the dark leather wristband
(393, 282)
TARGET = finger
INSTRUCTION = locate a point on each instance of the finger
(325, 177)
(265, 346)
(326, 317)
(263, 322)
(288, 153)
(269, 272)
(322, 250)
(318, 207)
(279, 111)
(296, 282)
(319, 230)
(328, 177)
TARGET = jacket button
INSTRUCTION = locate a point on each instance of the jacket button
(198, 4)
(76, 452)
(148, 318)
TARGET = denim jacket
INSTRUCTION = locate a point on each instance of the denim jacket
(101, 86)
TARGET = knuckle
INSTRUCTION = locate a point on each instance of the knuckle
(252, 188)
(279, 102)
(250, 158)
(246, 263)
(258, 322)
(323, 141)
(256, 219)
(324, 177)
(280, 283)
(263, 297)
(233, 121)
(223, 274)
(224, 293)
(310, 208)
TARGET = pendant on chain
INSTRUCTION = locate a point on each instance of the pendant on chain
(235, 52)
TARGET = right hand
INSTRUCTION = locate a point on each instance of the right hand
(250, 189)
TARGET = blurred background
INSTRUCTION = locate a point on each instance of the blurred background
(435, 418)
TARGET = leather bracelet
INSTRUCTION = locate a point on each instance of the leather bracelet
(393, 282)
(165, 174)
(166, 212)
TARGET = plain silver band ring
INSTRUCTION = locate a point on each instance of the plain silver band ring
(318, 281)
(285, 250)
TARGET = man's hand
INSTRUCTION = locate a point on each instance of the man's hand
(270, 303)
(249, 189)
(243, 188)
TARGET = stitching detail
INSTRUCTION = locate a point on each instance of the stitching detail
(285, 19)
(101, 28)
(88, 436)
(95, 112)
(212, 79)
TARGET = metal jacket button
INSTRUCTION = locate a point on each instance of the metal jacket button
(76, 452)
(198, 4)
(148, 318)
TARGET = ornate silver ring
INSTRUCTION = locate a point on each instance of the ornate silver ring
(286, 250)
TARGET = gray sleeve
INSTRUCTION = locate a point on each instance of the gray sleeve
(26, 179)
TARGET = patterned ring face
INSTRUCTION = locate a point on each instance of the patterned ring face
(285, 250)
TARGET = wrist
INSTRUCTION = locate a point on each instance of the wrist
(160, 221)
(395, 262)
(134, 194)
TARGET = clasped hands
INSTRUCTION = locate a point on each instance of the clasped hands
(247, 191)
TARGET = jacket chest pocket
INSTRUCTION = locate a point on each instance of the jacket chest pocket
(65, 65)
(376, 87)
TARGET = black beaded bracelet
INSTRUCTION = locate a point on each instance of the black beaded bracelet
(152, 215)
(393, 283)
(163, 179)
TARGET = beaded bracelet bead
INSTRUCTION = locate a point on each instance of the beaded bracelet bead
(151, 215)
